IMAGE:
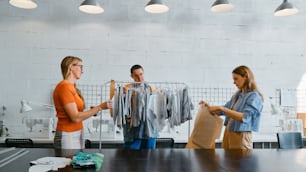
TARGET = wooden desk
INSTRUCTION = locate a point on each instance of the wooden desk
(179, 160)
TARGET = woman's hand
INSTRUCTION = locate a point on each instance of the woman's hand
(107, 104)
(215, 110)
(203, 103)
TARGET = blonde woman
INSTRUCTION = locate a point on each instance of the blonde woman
(69, 104)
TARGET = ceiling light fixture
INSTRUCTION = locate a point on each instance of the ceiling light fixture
(91, 7)
(156, 6)
(285, 9)
(26, 4)
(220, 6)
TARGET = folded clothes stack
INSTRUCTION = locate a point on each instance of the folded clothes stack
(49, 164)
(83, 160)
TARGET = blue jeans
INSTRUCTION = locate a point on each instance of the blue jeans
(138, 144)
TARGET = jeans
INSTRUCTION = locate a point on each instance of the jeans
(138, 144)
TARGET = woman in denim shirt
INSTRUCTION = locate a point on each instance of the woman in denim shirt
(242, 111)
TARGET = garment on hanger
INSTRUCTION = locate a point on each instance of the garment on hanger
(139, 110)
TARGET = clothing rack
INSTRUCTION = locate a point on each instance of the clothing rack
(155, 84)
(109, 87)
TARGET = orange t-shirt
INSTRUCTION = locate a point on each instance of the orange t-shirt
(65, 93)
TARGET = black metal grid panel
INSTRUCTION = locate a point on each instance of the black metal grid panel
(213, 96)
(91, 93)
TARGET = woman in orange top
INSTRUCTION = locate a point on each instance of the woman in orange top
(69, 105)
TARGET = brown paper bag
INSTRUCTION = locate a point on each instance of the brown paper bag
(207, 128)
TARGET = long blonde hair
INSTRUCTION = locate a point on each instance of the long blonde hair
(66, 63)
(249, 84)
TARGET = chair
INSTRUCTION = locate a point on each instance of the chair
(87, 144)
(21, 143)
(290, 140)
(164, 142)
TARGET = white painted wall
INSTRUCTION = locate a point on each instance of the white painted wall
(188, 44)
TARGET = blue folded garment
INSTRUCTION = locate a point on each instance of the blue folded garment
(83, 160)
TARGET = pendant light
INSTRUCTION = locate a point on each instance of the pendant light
(285, 9)
(91, 7)
(220, 6)
(156, 6)
(26, 4)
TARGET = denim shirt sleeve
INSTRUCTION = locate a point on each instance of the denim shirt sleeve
(228, 105)
(251, 106)
(252, 111)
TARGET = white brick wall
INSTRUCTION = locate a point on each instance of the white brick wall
(188, 44)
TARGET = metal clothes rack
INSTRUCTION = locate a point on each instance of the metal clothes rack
(107, 90)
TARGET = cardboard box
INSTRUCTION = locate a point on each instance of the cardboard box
(303, 117)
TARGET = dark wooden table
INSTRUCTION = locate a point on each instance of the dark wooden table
(176, 160)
